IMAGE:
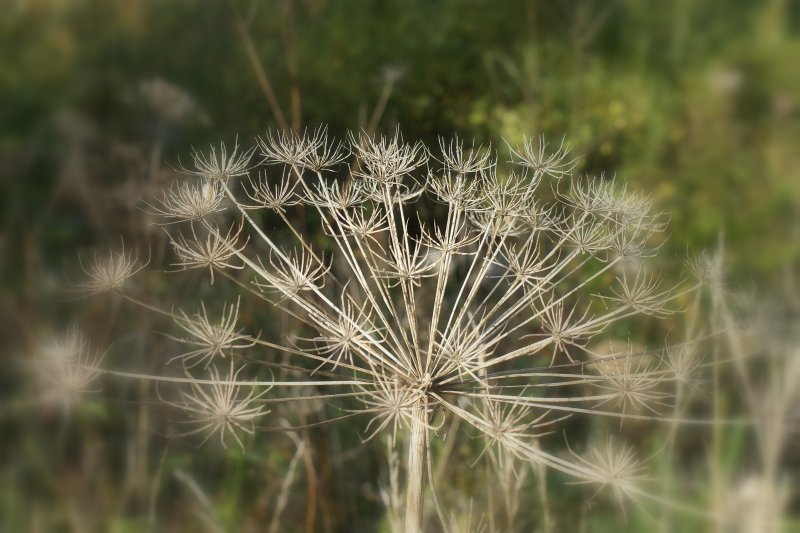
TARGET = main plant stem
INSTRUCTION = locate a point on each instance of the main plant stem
(416, 470)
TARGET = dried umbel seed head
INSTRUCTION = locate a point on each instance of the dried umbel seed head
(307, 150)
(387, 160)
(536, 155)
(614, 464)
(68, 366)
(217, 251)
(484, 312)
(273, 196)
(209, 340)
(641, 293)
(222, 405)
(460, 160)
(219, 165)
(190, 201)
(110, 271)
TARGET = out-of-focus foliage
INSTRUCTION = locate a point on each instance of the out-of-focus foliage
(694, 101)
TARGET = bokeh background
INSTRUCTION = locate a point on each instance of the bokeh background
(695, 102)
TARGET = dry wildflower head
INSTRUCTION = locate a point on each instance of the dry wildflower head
(217, 251)
(614, 464)
(506, 424)
(536, 155)
(460, 160)
(209, 340)
(588, 235)
(110, 271)
(190, 201)
(294, 272)
(68, 366)
(631, 382)
(222, 405)
(387, 160)
(458, 317)
(351, 329)
(219, 164)
(708, 269)
(453, 243)
(392, 405)
(307, 150)
(273, 196)
(641, 293)
(685, 362)
(333, 196)
(565, 328)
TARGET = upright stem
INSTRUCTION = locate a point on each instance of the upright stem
(416, 469)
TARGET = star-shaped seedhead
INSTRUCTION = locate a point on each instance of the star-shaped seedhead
(537, 155)
(463, 350)
(612, 464)
(392, 404)
(526, 265)
(459, 160)
(292, 273)
(361, 224)
(566, 327)
(333, 196)
(110, 271)
(460, 191)
(302, 150)
(387, 160)
(508, 224)
(273, 196)
(505, 424)
(210, 340)
(685, 362)
(221, 405)
(216, 251)
(456, 241)
(188, 201)
(409, 265)
(68, 366)
(219, 165)
(708, 269)
(347, 333)
(632, 382)
(587, 235)
(641, 293)
(603, 200)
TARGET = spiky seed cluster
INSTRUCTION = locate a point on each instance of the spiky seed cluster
(68, 366)
(220, 165)
(110, 271)
(223, 406)
(190, 201)
(275, 197)
(641, 293)
(308, 150)
(615, 465)
(543, 161)
(217, 251)
(484, 313)
(209, 339)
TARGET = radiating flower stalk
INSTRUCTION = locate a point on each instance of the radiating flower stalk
(483, 312)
